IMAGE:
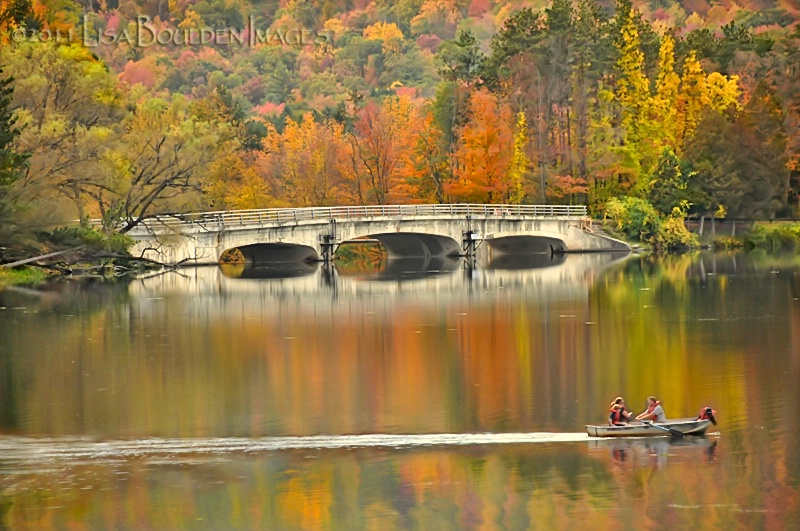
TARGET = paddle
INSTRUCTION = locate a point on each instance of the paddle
(676, 433)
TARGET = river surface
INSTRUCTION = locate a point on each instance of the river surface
(416, 396)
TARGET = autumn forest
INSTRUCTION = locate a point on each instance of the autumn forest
(114, 110)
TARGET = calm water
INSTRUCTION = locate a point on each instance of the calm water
(403, 398)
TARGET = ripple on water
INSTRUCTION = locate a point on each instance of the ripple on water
(19, 450)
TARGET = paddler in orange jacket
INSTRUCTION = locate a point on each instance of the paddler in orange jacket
(654, 411)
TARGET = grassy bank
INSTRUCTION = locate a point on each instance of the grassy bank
(21, 276)
(68, 251)
(768, 236)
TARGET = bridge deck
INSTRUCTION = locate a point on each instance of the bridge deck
(284, 215)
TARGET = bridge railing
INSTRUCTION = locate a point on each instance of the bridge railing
(286, 215)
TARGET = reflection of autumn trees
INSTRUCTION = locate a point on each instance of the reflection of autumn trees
(490, 365)
(519, 487)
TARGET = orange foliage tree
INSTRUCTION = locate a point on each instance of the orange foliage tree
(484, 152)
(426, 171)
(376, 160)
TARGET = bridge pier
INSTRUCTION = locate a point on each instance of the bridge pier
(471, 239)
(328, 243)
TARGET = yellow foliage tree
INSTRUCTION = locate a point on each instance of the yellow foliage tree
(388, 33)
(723, 92)
(192, 20)
(633, 88)
(520, 162)
(235, 183)
(693, 98)
(664, 110)
(699, 93)
(302, 161)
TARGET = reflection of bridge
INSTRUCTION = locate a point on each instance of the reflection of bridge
(426, 231)
(232, 289)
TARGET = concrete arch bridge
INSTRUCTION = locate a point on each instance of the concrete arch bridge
(419, 231)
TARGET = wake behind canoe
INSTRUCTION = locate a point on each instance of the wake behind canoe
(685, 426)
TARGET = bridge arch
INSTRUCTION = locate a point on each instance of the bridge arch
(526, 244)
(417, 245)
(266, 253)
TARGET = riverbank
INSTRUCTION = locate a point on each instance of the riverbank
(70, 252)
(768, 236)
(771, 236)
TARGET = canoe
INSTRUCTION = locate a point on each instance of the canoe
(636, 429)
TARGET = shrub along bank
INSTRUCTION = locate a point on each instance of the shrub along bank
(638, 220)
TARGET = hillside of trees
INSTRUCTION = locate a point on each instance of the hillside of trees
(126, 109)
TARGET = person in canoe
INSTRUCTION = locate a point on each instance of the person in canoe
(707, 413)
(618, 415)
(654, 411)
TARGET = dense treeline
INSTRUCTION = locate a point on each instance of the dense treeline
(646, 111)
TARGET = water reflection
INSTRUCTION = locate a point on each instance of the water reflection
(71, 295)
(269, 271)
(193, 383)
(418, 268)
(656, 452)
(407, 268)
(528, 261)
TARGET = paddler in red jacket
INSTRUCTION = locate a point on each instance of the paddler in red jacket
(618, 416)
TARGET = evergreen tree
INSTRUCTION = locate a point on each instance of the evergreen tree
(521, 34)
(280, 84)
(668, 185)
(461, 59)
(11, 162)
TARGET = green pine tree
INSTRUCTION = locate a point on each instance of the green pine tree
(11, 162)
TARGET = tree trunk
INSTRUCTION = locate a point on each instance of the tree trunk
(569, 144)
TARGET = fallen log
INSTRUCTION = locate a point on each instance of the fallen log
(37, 258)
